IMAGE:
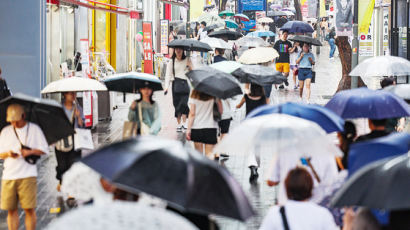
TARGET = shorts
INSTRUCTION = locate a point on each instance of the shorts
(205, 136)
(23, 190)
(293, 67)
(304, 73)
(224, 125)
(283, 67)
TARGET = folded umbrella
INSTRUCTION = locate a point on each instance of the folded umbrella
(226, 34)
(327, 119)
(242, 17)
(214, 82)
(261, 34)
(74, 84)
(227, 13)
(383, 185)
(258, 55)
(297, 27)
(131, 82)
(216, 43)
(367, 103)
(402, 90)
(165, 169)
(190, 45)
(251, 42)
(231, 23)
(265, 20)
(257, 74)
(305, 39)
(47, 114)
(226, 66)
(363, 153)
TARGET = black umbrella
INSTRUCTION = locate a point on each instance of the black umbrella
(131, 82)
(48, 114)
(261, 75)
(214, 82)
(383, 184)
(306, 39)
(164, 168)
(213, 26)
(231, 35)
(190, 45)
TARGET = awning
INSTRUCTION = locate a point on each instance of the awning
(105, 7)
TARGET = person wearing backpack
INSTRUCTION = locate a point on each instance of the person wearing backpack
(331, 39)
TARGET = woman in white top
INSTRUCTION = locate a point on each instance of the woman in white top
(296, 50)
(175, 73)
(202, 128)
(298, 213)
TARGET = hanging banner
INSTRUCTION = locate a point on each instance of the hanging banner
(164, 36)
(196, 8)
(366, 42)
(365, 15)
(344, 17)
(147, 46)
(386, 30)
(322, 9)
(86, 72)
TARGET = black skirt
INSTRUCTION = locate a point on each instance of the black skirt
(180, 96)
(205, 136)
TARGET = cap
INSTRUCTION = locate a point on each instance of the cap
(14, 112)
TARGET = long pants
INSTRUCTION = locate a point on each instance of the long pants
(332, 47)
(64, 162)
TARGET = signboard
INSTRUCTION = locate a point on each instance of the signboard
(344, 17)
(147, 47)
(260, 14)
(386, 31)
(87, 96)
(305, 10)
(164, 36)
(366, 43)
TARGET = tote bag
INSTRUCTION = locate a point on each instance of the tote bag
(83, 139)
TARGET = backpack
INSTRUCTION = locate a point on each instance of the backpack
(4, 90)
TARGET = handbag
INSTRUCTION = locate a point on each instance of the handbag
(32, 159)
(129, 130)
(216, 114)
(83, 139)
(313, 80)
(144, 129)
(180, 86)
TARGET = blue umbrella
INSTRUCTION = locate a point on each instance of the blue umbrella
(363, 153)
(367, 103)
(297, 27)
(231, 23)
(261, 34)
(328, 120)
(132, 81)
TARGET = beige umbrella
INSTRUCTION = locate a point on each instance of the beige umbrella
(258, 55)
(74, 84)
(265, 20)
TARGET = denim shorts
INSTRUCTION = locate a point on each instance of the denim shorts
(304, 73)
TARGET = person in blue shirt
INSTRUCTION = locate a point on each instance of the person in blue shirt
(306, 60)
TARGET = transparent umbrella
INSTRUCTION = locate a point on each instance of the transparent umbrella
(217, 43)
(258, 55)
(248, 41)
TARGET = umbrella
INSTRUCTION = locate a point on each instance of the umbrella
(214, 82)
(275, 6)
(242, 17)
(131, 82)
(367, 103)
(261, 34)
(228, 34)
(210, 19)
(363, 153)
(227, 13)
(231, 23)
(226, 66)
(278, 134)
(165, 169)
(265, 20)
(120, 215)
(47, 114)
(261, 75)
(402, 90)
(190, 45)
(297, 27)
(288, 13)
(306, 39)
(74, 84)
(251, 42)
(326, 118)
(258, 55)
(381, 185)
(216, 43)
(291, 9)
(275, 13)
(213, 26)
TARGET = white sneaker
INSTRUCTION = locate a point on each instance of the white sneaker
(179, 128)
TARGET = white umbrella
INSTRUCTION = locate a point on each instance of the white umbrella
(289, 13)
(74, 84)
(210, 19)
(251, 42)
(278, 134)
(120, 215)
(216, 43)
(258, 55)
(265, 20)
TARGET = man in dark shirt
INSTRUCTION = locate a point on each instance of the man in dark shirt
(219, 55)
(378, 129)
(283, 46)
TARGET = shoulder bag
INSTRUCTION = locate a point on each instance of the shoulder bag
(284, 219)
(145, 129)
(32, 159)
(313, 80)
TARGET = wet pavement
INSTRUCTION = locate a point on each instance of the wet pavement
(261, 196)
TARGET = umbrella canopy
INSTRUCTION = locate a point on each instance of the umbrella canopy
(363, 153)
(251, 42)
(242, 17)
(288, 12)
(278, 134)
(231, 23)
(214, 82)
(306, 39)
(276, 13)
(258, 55)
(74, 84)
(367, 103)
(182, 176)
(402, 90)
(47, 114)
(261, 34)
(190, 45)
(228, 34)
(226, 66)
(265, 20)
(227, 13)
(120, 215)
(297, 27)
(131, 82)
(213, 26)
(210, 19)
(381, 185)
(327, 119)
(216, 43)
(261, 75)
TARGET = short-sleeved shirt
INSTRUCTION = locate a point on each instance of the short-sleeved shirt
(31, 136)
(283, 49)
(304, 62)
(204, 117)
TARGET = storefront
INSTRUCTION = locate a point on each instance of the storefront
(400, 28)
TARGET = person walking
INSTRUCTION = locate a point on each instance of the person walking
(202, 128)
(201, 33)
(296, 50)
(305, 61)
(323, 28)
(283, 46)
(175, 73)
(219, 55)
(19, 140)
(145, 111)
(332, 44)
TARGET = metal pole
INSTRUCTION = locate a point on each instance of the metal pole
(318, 25)
(355, 42)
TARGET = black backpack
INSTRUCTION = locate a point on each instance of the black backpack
(4, 90)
